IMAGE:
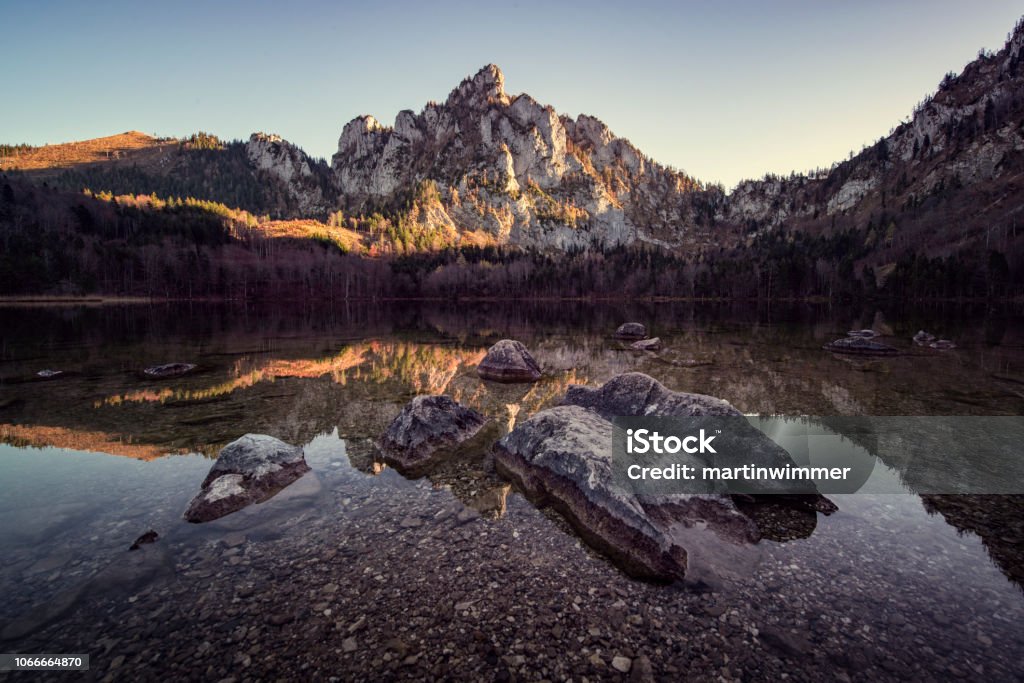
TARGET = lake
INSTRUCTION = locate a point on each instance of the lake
(357, 572)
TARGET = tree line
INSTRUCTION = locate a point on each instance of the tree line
(53, 242)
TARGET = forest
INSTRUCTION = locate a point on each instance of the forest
(69, 244)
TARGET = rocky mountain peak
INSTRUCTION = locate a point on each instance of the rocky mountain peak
(486, 86)
(273, 155)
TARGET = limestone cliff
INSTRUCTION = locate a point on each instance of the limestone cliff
(292, 167)
(515, 169)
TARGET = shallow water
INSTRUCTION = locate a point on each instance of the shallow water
(357, 572)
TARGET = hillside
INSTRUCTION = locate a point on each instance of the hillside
(950, 178)
(264, 175)
(131, 147)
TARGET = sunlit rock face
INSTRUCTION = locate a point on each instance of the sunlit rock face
(250, 470)
(513, 168)
(291, 166)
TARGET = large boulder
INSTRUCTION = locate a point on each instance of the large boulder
(637, 394)
(251, 469)
(562, 457)
(427, 427)
(509, 361)
(631, 331)
(860, 346)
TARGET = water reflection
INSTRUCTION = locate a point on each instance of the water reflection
(297, 374)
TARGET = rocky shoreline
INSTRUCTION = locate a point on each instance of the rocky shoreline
(394, 580)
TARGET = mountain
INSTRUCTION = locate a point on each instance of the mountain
(950, 175)
(516, 169)
(498, 191)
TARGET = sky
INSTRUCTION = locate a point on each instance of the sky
(722, 90)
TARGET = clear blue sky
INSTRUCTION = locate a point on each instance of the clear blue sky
(724, 90)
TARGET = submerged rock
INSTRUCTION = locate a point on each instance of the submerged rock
(169, 370)
(942, 344)
(652, 344)
(427, 427)
(631, 331)
(863, 334)
(509, 361)
(923, 338)
(636, 394)
(861, 347)
(148, 537)
(249, 470)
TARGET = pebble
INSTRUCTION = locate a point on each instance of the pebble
(623, 664)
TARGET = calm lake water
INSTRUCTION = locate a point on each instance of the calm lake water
(356, 572)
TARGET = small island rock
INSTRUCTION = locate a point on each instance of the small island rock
(426, 427)
(509, 361)
(652, 344)
(631, 331)
(860, 347)
(249, 470)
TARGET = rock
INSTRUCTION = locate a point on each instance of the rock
(49, 374)
(631, 331)
(249, 470)
(623, 664)
(860, 346)
(652, 344)
(942, 344)
(509, 361)
(863, 334)
(562, 457)
(923, 338)
(148, 537)
(349, 645)
(634, 393)
(427, 428)
(169, 370)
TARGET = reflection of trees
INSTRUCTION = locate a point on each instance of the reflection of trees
(40, 436)
(423, 368)
(998, 520)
